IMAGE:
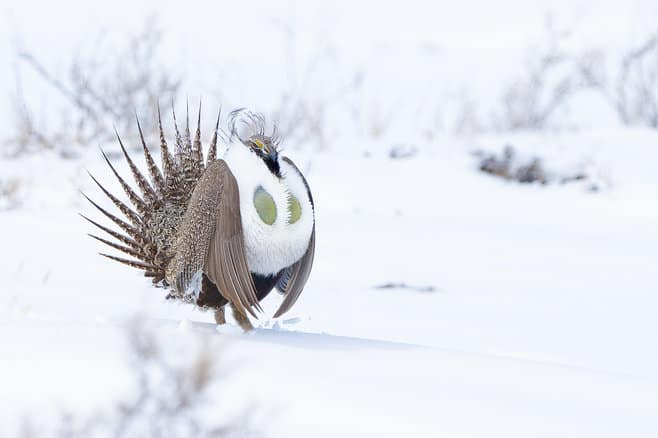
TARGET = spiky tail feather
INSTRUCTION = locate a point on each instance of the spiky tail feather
(147, 235)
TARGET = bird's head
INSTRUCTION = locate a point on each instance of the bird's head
(249, 129)
(266, 149)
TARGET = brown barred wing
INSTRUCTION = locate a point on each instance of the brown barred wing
(211, 242)
(293, 278)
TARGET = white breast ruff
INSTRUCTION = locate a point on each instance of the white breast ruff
(270, 248)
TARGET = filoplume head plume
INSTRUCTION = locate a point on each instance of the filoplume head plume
(249, 129)
(216, 231)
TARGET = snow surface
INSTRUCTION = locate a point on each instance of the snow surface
(542, 321)
(542, 313)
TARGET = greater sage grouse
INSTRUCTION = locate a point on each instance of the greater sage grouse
(223, 230)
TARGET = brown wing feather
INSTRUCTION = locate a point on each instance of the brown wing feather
(226, 264)
(211, 240)
(297, 277)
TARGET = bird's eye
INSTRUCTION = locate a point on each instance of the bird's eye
(259, 144)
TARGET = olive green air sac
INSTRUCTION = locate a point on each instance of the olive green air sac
(294, 209)
(265, 206)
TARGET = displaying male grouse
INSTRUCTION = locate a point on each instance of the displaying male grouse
(223, 230)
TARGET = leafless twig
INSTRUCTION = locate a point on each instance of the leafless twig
(403, 285)
(172, 397)
(103, 89)
(551, 78)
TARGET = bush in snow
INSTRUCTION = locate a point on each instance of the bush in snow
(510, 166)
(104, 87)
(551, 76)
(172, 396)
(10, 193)
(506, 166)
(633, 89)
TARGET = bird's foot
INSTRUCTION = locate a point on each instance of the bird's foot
(242, 320)
(220, 316)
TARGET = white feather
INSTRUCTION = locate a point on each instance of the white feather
(270, 248)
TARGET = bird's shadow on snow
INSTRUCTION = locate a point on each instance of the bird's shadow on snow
(294, 339)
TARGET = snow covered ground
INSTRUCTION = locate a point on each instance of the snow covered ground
(529, 310)
(542, 320)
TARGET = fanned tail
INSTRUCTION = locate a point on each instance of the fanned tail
(197, 153)
(212, 152)
(156, 175)
(159, 201)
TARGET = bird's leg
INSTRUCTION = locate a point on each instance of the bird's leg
(242, 320)
(220, 316)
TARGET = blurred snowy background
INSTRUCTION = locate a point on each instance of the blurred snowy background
(486, 181)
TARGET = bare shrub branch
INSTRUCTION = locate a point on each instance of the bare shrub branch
(552, 76)
(636, 98)
(10, 193)
(508, 165)
(103, 88)
(172, 396)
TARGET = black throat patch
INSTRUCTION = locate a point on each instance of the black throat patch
(273, 165)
